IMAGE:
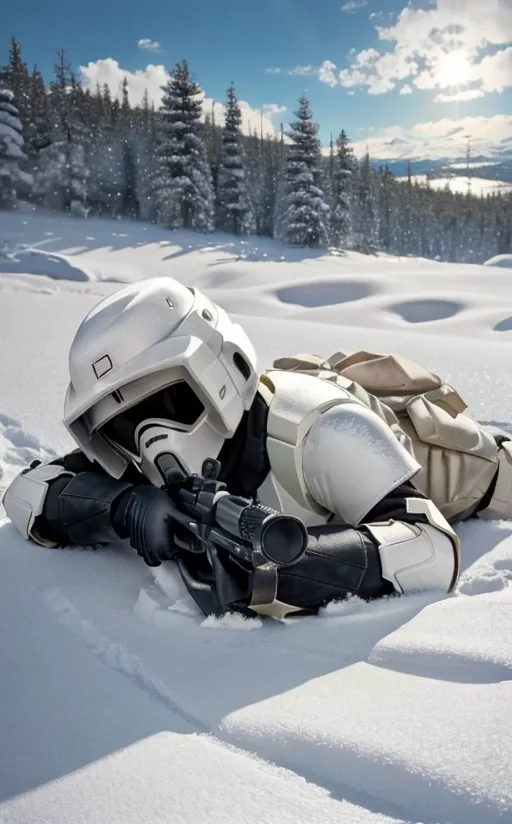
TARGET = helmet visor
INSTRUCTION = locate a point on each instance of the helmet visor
(177, 403)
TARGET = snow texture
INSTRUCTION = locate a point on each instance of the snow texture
(504, 261)
(120, 702)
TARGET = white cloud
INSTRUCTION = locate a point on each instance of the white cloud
(271, 109)
(406, 89)
(495, 71)
(325, 72)
(468, 94)
(353, 5)
(146, 44)
(440, 139)
(110, 72)
(302, 71)
(444, 47)
(154, 77)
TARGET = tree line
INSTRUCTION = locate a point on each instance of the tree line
(82, 151)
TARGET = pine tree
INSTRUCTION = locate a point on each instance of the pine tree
(304, 212)
(271, 154)
(143, 152)
(11, 150)
(184, 189)
(385, 208)
(343, 168)
(37, 135)
(18, 81)
(62, 173)
(235, 213)
(365, 216)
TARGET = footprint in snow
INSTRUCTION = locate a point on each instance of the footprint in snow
(17, 447)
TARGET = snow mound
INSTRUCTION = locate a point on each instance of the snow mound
(121, 703)
(176, 778)
(501, 261)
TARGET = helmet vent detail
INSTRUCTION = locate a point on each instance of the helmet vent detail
(117, 396)
(102, 366)
(242, 365)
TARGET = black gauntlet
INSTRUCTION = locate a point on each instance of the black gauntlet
(144, 515)
(339, 561)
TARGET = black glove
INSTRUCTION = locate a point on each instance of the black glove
(144, 515)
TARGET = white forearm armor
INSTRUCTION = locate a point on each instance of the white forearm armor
(333, 458)
(24, 498)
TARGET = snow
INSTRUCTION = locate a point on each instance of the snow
(504, 261)
(120, 702)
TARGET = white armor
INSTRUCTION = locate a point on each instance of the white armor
(24, 498)
(145, 338)
(332, 458)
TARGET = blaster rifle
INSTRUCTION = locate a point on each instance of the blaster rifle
(253, 534)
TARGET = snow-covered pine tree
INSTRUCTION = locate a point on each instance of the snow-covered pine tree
(343, 168)
(11, 150)
(183, 181)
(271, 161)
(37, 136)
(385, 204)
(63, 173)
(364, 212)
(305, 214)
(18, 81)
(234, 209)
(127, 136)
(145, 124)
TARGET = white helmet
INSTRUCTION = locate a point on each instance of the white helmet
(159, 377)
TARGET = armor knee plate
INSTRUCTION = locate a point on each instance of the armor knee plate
(418, 556)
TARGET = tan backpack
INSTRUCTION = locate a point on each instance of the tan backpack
(458, 456)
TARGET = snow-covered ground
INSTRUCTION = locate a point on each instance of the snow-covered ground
(116, 708)
(462, 184)
(503, 261)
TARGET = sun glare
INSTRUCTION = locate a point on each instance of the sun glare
(455, 69)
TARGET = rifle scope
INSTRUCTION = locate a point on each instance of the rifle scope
(281, 539)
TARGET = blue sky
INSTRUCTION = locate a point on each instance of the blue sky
(377, 68)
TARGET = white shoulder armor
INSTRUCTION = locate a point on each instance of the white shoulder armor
(352, 459)
(295, 402)
(24, 498)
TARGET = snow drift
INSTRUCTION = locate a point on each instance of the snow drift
(120, 704)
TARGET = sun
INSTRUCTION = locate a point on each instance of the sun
(454, 69)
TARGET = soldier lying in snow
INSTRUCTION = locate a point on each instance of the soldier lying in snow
(371, 452)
